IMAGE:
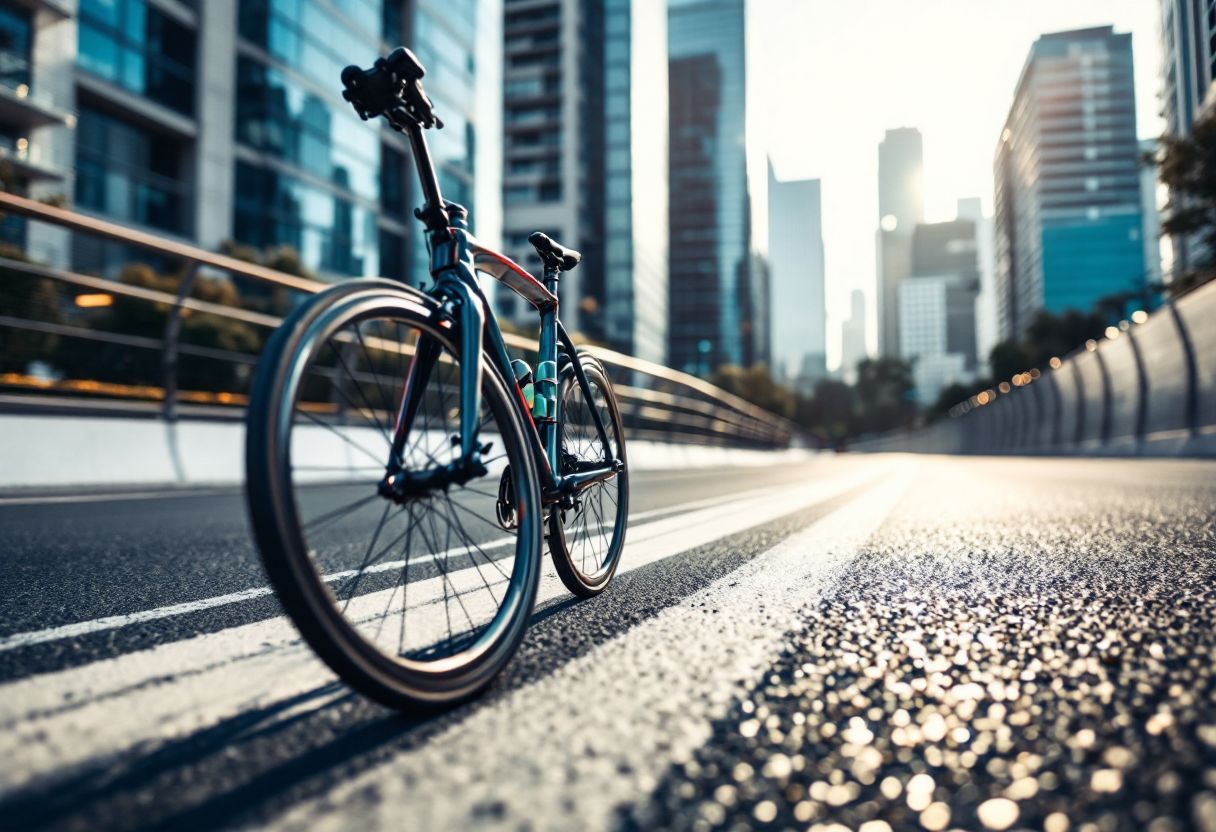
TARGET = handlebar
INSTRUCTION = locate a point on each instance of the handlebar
(391, 88)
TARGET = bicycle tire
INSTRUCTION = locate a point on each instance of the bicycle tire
(604, 541)
(278, 492)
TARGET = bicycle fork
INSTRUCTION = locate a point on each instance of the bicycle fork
(401, 482)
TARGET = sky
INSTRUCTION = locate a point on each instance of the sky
(826, 78)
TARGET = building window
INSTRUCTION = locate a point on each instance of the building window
(392, 182)
(309, 36)
(14, 48)
(330, 233)
(392, 256)
(139, 48)
(280, 117)
(126, 172)
(526, 166)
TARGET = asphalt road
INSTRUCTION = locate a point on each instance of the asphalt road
(855, 643)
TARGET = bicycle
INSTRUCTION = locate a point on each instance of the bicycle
(402, 469)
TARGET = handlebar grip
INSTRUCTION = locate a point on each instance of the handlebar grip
(404, 62)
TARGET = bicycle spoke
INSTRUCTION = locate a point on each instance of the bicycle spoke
(339, 512)
(367, 557)
(343, 437)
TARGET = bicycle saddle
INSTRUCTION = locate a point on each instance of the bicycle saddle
(553, 253)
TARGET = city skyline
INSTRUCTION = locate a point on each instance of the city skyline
(908, 74)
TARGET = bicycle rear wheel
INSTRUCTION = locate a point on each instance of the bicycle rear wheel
(416, 601)
(586, 538)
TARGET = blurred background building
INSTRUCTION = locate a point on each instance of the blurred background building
(901, 205)
(937, 306)
(160, 89)
(798, 317)
(585, 129)
(1188, 42)
(853, 337)
(718, 302)
(1068, 205)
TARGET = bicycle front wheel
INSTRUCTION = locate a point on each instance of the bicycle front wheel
(415, 600)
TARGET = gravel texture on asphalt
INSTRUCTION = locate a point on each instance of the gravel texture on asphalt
(1024, 645)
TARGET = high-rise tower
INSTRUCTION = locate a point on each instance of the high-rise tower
(797, 317)
(718, 299)
(1068, 221)
(901, 205)
(585, 122)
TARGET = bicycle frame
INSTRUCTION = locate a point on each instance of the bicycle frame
(456, 257)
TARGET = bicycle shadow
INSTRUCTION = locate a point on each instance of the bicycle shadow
(255, 764)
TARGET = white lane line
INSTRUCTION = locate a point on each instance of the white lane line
(126, 705)
(116, 496)
(113, 622)
(598, 734)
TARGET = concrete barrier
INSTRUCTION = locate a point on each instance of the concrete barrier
(1149, 391)
(90, 451)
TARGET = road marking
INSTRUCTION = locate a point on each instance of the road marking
(116, 496)
(52, 723)
(568, 750)
(113, 622)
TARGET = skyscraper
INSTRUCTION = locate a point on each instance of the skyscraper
(1188, 45)
(937, 306)
(901, 205)
(853, 337)
(225, 120)
(582, 141)
(797, 317)
(718, 298)
(971, 208)
(1068, 222)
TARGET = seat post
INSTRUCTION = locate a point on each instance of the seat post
(552, 274)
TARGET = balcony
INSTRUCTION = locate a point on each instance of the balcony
(56, 8)
(25, 161)
(19, 105)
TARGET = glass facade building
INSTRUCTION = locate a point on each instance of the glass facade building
(1068, 212)
(718, 299)
(901, 205)
(585, 160)
(1188, 45)
(1188, 41)
(798, 314)
(224, 120)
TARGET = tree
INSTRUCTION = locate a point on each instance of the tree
(884, 395)
(755, 385)
(829, 413)
(1187, 166)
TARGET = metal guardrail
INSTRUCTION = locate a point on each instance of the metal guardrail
(1148, 388)
(657, 402)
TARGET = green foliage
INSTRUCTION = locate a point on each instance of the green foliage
(756, 385)
(1048, 336)
(1187, 166)
(884, 400)
(31, 298)
(835, 412)
(829, 413)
